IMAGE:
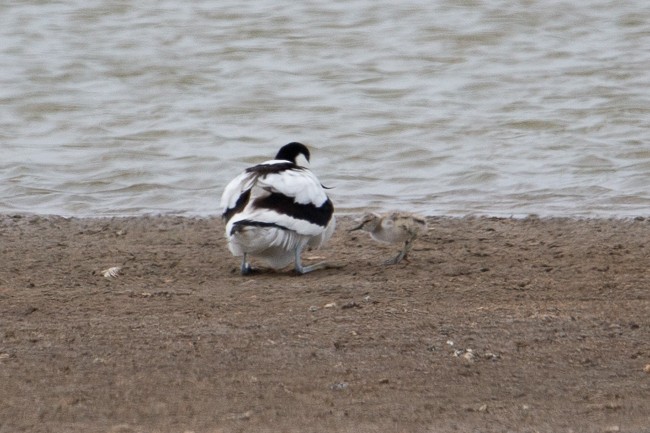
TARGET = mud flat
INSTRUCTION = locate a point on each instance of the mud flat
(522, 325)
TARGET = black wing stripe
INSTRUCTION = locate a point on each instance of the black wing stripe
(266, 169)
(242, 201)
(280, 203)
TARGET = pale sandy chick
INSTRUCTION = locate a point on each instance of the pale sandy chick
(393, 228)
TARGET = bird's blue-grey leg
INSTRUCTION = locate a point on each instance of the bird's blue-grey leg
(402, 254)
(300, 269)
(395, 260)
(407, 248)
(245, 267)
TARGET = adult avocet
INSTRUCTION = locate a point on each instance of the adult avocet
(275, 209)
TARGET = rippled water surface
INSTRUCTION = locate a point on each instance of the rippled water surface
(442, 107)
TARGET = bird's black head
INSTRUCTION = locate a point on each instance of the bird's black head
(290, 151)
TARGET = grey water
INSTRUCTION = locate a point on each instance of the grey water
(464, 107)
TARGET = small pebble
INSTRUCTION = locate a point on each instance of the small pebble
(647, 368)
(351, 304)
(339, 386)
(113, 272)
(469, 355)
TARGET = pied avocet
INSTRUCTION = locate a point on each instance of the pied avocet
(275, 209)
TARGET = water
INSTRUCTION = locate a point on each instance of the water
(447, 107)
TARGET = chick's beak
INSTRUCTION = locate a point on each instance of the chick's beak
(355, 228)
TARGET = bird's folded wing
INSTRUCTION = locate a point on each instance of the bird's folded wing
(300, 184)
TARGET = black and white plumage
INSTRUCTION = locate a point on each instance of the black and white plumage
(275, 209)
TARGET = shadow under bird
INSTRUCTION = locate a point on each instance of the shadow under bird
(394, 227)
(275, 209)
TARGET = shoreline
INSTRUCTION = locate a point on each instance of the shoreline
(343, 215)
(495, 324)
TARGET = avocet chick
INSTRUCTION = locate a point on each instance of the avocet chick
(393, 228)
(275, 209)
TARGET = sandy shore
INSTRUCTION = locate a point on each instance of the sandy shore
(534, 325)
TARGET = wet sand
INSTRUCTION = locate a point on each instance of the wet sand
(530, 325)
